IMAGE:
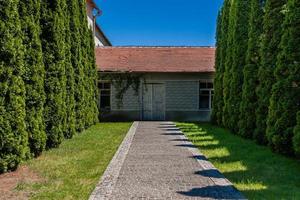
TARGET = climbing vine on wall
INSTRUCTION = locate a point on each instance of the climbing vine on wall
(122, 82)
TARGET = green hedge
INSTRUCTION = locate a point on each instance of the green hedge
(285, 98)
(249, 98)
(34, 75)
(260, 90)
(48, 76)
(296, 139)
(13, 135)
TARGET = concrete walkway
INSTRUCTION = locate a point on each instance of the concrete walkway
(156, 161)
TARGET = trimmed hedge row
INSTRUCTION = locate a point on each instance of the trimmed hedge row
(47, 76)
(260, 92)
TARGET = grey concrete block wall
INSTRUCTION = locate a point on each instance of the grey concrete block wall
(182, 95)
(181, 98)
(130, 100)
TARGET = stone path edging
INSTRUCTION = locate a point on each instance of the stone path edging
(205, 164)
(108, 180)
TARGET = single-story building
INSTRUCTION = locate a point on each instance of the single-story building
(176, 83)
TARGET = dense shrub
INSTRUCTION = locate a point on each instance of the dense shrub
(70, 76)
(296, 139)
(239, 48)
(228, 61)
(34, 75)
(220, 62)
(13, 135)
(90, 109)
(53, 43)
(218, 81)
(285, 98)
(249, 99)
(272, 33)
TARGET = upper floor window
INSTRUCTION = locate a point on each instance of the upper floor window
(206, 95)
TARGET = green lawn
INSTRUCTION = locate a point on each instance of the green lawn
(254, 170)
(73, 170)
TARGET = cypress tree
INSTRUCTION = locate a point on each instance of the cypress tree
(88, 62)
(238, 56)
(218, 100)
(13, 135)
(296, 139)
(85, 62)
(70, 77)
(285, 99)
(271, 37)
(53, 44)
(227, 58)
(222, 44)
(77, 63)
(249, 99)
(93, 81)
(34, 75)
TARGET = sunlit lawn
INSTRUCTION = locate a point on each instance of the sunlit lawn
(254, 170)
(73, 170)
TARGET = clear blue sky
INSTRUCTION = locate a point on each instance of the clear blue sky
(159, 22)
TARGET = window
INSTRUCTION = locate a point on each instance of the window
(104, 92)
(206, 95)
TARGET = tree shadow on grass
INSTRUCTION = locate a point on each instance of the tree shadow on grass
(254, 169)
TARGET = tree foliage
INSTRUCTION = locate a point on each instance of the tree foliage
(239, 39)
(34, 75)
(228, 60)
(296, 139)
(13, 135)
(90, 110)
(218, 100)
(249, 98)
(53, 43)
(272, 32)
(70, 75)
(285, 99)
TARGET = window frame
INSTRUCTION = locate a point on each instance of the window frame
(100, 94)
(210, 95)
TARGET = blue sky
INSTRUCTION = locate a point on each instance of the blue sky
(159, 22)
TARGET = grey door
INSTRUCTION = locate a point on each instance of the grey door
(154, 102)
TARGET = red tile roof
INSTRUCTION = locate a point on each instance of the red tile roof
(155, 59)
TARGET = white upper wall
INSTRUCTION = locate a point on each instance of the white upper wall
(100, 39)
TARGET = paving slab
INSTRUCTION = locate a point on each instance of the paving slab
(156, 161)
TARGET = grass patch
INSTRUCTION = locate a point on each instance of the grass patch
(73, 170)
(254, 170)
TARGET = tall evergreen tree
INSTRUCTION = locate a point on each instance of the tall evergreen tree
(77, 63)
(272, 33)
(53, 44)
(227, 59)
(296, 139)
(34, 75)
(13, 135)
(218, 82)
(285, 99)
(84, 62)
(249, 99)
(240, 43)
(88, 62)
(93, 74)
(70, 77)
(222, 44)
